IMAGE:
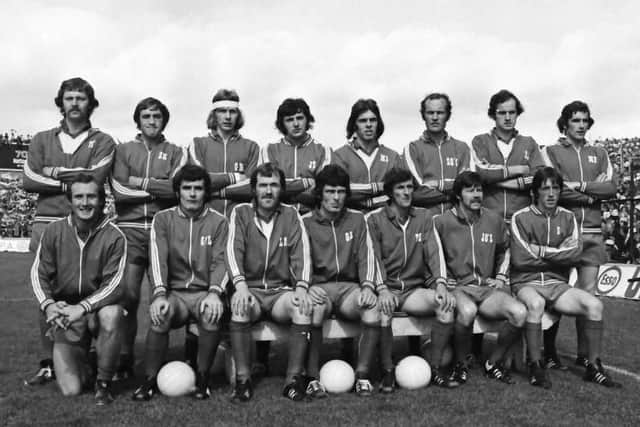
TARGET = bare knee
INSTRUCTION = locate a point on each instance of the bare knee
(594, 309)
(535, 306)
(466, 314)
(320, 312)
(70, 388)
(371, 316)
(517, 314)
(385, 320)
(110, 317)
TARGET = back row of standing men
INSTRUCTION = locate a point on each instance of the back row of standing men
(143, 171)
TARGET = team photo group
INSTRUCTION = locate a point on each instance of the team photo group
(228, 233)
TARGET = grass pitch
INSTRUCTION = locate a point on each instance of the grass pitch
(481, 402)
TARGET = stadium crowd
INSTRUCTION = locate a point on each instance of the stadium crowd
(18, 206)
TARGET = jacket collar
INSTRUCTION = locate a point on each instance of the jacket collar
(495, 135)
(459, 214)
(235, 136)
(564, 141)
(392, 215)
(202, 214)
(306, 142)
(537, 211)
(426, 137)
(64, 128)
(321, 219)
(356, 145)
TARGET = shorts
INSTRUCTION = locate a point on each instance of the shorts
(266, 298)
(593, 251)
(476, 293)
(36, 234)
(403, 295)
(550, 293)
(137, 245)
(187, 300)
(338, 291)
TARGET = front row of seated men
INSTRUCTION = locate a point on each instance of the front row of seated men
(298, 271)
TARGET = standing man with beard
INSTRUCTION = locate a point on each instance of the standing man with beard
(143, 172)
(56, 157)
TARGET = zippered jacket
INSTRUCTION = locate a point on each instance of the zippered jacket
(226, 162)
(94, 157)
(493, 168)
(188, 252)
(300, 165)
(341, 250)
(367, 192)
(408, 256)
(268, 257)
(136, 205)
(428, 160)
(88, 273)
(584, 165)
(475, 251)
(560, 241)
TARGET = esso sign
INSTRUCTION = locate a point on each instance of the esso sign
(608, 280)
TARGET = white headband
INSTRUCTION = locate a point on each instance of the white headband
(225, 104)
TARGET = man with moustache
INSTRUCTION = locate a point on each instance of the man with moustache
(76, 277)
(475, 243)
(55, 158)
(435, 159)
(143, 171)
(269, 263)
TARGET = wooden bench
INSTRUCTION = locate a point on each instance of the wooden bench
(402, 325)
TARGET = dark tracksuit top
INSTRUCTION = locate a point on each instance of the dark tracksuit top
(491, 165)
(136, 205)
(225, 162)
(428, 160)
(299, 163)
(583, 165)
(87, 272)
(408, 256)
(268, 260)
(553, 265)
(341, 249)
(366, 173)
(94, 156)
(187, 253)
(475, 251)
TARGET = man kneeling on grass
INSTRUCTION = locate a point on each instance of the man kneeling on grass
(344, 273)
(76, 278)
(545, 244)
(188, 277)
(412, 268)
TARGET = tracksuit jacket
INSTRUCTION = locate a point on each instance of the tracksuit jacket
(187, 253)
(88, 273)
(225, 161)
(366, 181)
(428, 160)
(136, 205)
(266, 260)
(299, 163)
(492, 167)
(341, 250)
(530, 225)
(583, 165)
(94, 156)
(408, 256)
(474, 251)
